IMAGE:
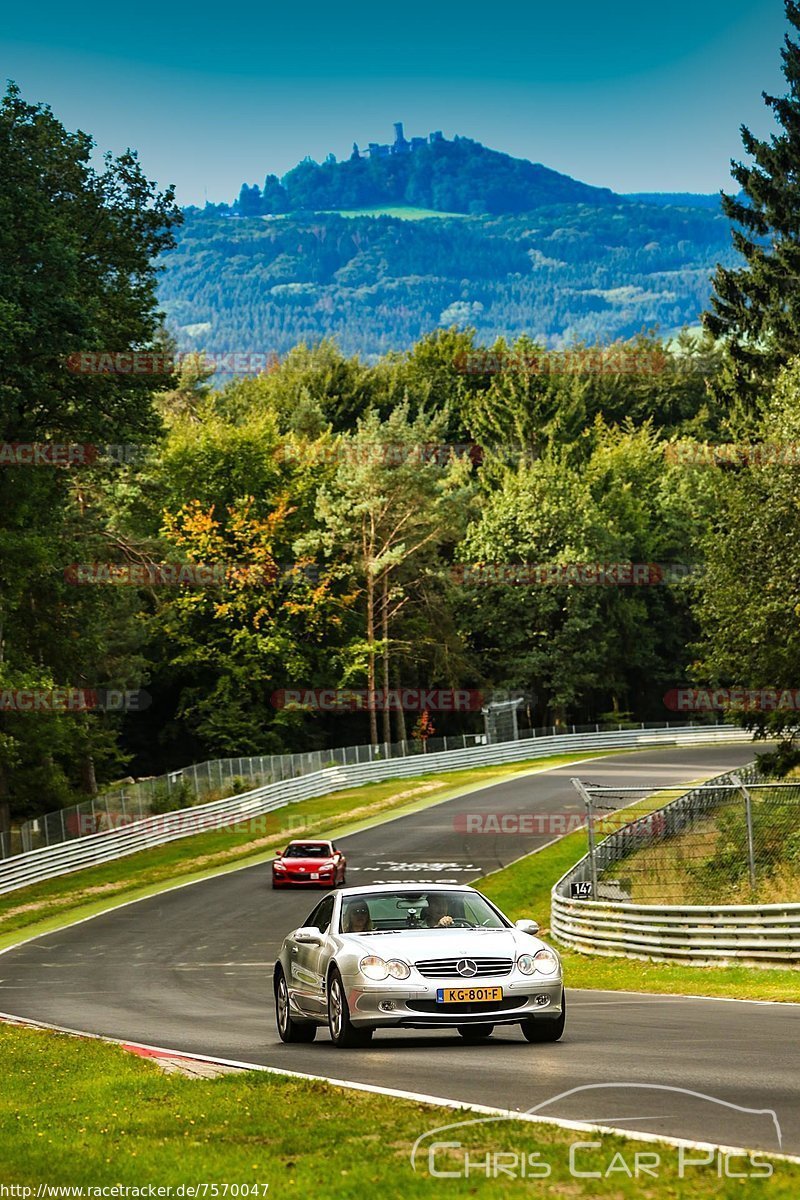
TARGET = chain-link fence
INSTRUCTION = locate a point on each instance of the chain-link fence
(219, 778)
(733, 841)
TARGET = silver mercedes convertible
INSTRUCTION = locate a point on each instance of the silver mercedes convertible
(419, 956)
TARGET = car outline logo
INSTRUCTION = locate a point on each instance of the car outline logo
(534, 1114)
(467, 967)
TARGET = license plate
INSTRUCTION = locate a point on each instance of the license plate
(468, 995)
(315, 874)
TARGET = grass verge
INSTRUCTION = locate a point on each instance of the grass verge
(87, 1114)
(56, 902)
(523, 890)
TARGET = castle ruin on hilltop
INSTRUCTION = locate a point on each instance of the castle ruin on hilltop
(401, 145)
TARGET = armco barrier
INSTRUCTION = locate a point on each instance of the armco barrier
(48, 862)
(704, 935)
(749, 934)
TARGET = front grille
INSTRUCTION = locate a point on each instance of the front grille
(472, 1006)
(447, 968)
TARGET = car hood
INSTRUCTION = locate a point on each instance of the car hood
(413, 945)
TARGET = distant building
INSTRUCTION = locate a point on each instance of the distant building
(401, 145)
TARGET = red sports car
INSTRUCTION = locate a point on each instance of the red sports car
(315, 864)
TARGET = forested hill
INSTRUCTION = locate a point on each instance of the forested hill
(459, 176)
(379, 283)
(400, 239)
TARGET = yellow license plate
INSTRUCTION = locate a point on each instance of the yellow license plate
(469, 995)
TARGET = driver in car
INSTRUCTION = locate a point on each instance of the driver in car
(436, 914)
(357, 918)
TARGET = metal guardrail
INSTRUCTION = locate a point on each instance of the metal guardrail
(222, 777)
(48, 862)
(700, 934)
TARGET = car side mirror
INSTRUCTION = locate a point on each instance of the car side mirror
(309, 935)
(527, 926)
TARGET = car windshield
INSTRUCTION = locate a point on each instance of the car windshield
(398, 912)
(307, 850)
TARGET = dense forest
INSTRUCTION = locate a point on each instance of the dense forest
(494, 498)
(561, 273)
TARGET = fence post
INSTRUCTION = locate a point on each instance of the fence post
(748, 814)
(587, 800)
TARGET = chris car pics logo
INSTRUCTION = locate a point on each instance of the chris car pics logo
(501, 1149)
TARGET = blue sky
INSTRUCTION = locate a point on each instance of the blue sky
(640, 98)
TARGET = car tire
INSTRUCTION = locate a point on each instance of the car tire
(290, 1030)
(546, 1029)
(476, 1033)
(343, 1032)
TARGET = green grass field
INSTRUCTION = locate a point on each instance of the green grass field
(404, 212)
(85, 1113)
(523, 890)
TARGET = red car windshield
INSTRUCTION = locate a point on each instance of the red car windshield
(308, 850)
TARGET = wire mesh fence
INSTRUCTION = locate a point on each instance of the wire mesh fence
(733, 841)
(219, 778)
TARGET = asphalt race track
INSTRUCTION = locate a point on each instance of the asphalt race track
(191, 970)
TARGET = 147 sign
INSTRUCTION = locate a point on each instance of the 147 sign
(582, 890)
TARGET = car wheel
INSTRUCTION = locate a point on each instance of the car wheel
(546, 1029)
(289, 1029)
(475, 1033)
(343, 1033)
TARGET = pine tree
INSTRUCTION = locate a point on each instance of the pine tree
(756, 307)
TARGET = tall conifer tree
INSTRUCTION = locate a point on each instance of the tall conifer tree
(756, 307)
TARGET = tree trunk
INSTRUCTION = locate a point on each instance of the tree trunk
(5, 817)
(373, 716)
(387, 727)
(400, 718)
(88, 777)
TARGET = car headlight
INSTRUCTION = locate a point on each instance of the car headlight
(276, 866)
(546, 962)
(526, 964)
(374, 967)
